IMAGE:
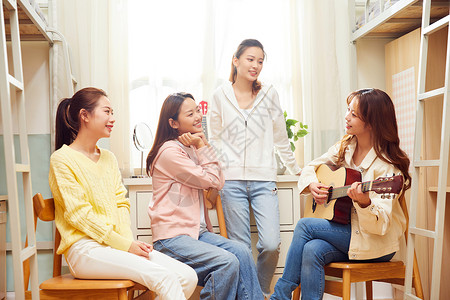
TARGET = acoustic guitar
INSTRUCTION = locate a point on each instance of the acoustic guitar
(337, 207)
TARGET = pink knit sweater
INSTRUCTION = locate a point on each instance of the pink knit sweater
(177, 179)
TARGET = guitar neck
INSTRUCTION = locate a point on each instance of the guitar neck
(342, 191)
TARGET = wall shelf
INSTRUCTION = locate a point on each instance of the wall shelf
(400, 18)
(434, 189)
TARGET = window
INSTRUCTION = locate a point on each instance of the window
(178, 45)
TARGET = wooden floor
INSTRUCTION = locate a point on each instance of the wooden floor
(386, 294)
(195, 296)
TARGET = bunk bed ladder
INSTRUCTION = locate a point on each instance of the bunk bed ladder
(12, 94)
(441, 163)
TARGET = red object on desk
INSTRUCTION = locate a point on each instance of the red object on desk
(204, 107)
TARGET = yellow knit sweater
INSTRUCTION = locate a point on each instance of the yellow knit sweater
(89, 199)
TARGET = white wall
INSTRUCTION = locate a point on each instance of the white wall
(371, 63)
(36, 78)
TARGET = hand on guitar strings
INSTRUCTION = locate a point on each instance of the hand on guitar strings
(358, 196)
(319, 192)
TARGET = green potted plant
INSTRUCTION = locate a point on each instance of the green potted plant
(295, 130)
(293, 133)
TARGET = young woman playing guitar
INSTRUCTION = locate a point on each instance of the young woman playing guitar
(371, 146)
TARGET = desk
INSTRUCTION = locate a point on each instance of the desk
(3, 246)
(140, 194)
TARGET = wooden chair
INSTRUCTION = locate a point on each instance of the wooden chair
(391, 272)
(213, 200)
(66, 286)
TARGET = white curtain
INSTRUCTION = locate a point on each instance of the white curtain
(325, 71)
(96, 32)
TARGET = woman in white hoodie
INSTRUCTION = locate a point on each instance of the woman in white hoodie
(246, 126)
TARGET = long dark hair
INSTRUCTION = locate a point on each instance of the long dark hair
(256, 86)
(375, 108)
(170, 110)
(68, 114)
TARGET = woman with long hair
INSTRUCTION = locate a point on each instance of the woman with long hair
(377, 223)
(247, 127)
(92, 213)
(182, 165)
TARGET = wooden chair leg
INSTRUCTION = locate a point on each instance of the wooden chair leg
(369, 290)
(296, 294)
(148, 295)
(123, 295)
(221, 217)
(417, 283)
(346, 285)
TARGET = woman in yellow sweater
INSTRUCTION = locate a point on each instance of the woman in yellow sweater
(92, 212)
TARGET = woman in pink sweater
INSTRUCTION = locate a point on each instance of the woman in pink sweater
(182, 165)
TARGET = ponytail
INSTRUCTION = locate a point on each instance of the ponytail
(68, 114)
(64, 132)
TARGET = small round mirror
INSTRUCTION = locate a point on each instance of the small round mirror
(142, 137)
(143, 140)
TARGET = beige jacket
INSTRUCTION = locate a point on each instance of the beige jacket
(378, 228)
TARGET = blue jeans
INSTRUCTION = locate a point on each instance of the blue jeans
(224, 268)
(315, 243)
(237, 196)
